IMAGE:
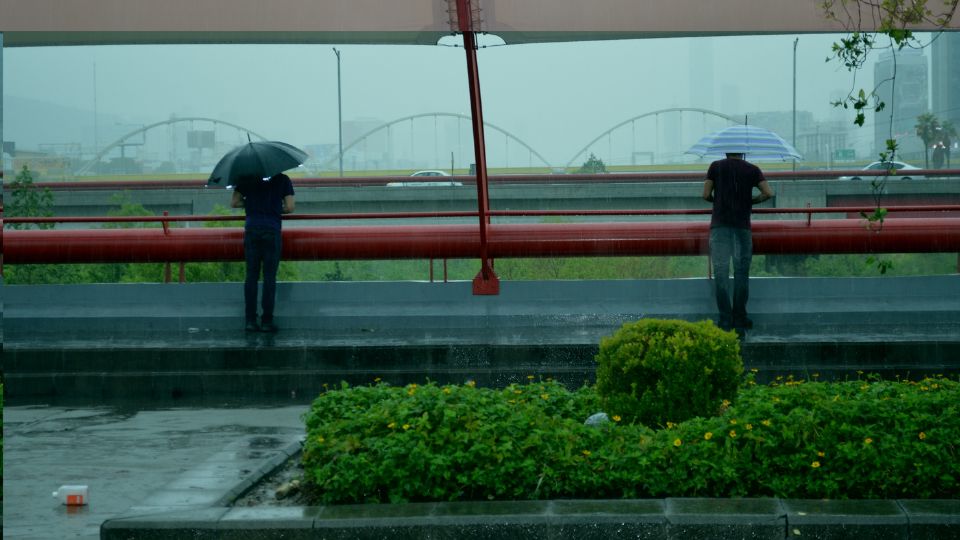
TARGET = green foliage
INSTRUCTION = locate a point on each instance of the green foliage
(659, 372)
(860, 439)
(927, 127)
(593, 164)
(27, 200)
(866, 21)
(396, 444)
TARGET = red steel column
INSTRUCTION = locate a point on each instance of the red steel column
(486, 281)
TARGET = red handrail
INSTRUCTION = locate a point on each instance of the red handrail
(596, 178)
(471, 214)
(907, 235)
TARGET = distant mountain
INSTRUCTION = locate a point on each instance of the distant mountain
(30, 123)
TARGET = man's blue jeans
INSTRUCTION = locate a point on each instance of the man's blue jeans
(261, 247)
(728, 243)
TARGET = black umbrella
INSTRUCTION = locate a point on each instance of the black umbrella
(254, 161)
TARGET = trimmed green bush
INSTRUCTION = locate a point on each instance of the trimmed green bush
(657, 371)
(861, 440)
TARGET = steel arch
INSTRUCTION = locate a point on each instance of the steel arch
(644, 115)
(144, 129)
(359, 139)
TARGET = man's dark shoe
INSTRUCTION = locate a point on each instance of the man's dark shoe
(252, 326)
(268, 327)
(744, 323)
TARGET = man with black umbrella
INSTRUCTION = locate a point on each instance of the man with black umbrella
(264, 200)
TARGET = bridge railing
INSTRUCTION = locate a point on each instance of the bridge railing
(494, 179)
(425, 241)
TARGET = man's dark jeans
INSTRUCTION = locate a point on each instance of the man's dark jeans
(735, 243)
(261, 247)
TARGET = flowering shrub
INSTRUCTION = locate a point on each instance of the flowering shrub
(658, 371)
(791, 439)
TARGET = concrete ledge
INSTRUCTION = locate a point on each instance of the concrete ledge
(654, 519)
(651, 519)
(186, 341)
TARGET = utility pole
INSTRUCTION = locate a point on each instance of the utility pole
(339, 112)
(794, 141)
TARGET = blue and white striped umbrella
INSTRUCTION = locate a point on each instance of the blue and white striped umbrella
(755, 142)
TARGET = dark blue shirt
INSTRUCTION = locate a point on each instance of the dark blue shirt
(733, 183)
(263, 201)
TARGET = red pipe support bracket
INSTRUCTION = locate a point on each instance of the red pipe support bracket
(907, 235)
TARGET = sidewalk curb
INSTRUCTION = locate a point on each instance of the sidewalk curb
(652, 519)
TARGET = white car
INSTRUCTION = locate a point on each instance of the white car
(423, 183)
(902, 170)
(431, 172)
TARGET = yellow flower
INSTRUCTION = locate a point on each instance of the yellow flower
(733, 421)
(406, 427)
(616, 418)
(446, 390)
(766, 422)
(922, 435)
(733, 434)
(708, 436)
(726, 403)
(815, 464)
(670, 425)
(320, 440)
(586, 453)
(544, 396)
(677, 442)
(392, 425)
(754, 370)
(868, 440)
(530, 377)
(820, 454)
(377, 379)
(471, 384)
(518, 391)
(749, 427)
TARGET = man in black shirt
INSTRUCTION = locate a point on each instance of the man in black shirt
(729, 186)
(263, 200)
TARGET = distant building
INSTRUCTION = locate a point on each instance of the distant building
(945, 78)
(908, 102)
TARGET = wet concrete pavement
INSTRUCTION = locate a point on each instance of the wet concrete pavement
(128, 456)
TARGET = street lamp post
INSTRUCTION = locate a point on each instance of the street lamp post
(339, 113)
(795, 98)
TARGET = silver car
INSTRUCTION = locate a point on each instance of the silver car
(899, 170)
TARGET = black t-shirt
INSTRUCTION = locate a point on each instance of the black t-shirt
(263, 201)
(733, 183)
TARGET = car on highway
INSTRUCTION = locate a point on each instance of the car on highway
(902, 170)
(431, 172)
(427, 183)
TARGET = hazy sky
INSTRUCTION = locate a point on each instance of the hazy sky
(556, 97)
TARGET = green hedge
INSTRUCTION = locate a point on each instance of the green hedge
(861, 439)
(658, 371)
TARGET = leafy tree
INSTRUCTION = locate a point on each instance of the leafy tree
(879, 25)
(28, 200)
(948, 133)
(593, 164)
(874, 25)
(927, 127)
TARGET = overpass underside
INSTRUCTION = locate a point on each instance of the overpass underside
(186, 342)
